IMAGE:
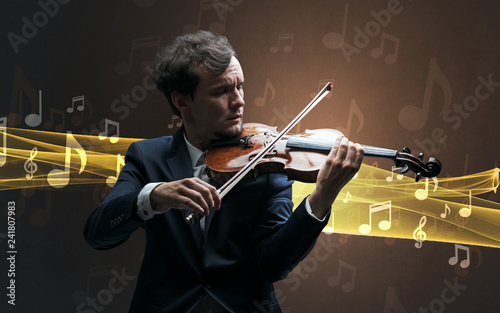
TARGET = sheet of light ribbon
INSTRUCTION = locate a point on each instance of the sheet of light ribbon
(376, 202)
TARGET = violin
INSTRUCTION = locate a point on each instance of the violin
(300, 156)
(261, 150)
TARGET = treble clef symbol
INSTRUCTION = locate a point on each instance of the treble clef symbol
(29, 166)
(419, 235)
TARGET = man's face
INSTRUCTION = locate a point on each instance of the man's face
(216, 109)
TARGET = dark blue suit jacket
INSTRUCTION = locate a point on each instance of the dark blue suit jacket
(251, 242)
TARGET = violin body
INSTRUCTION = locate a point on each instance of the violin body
(300, 157)
(224, 162)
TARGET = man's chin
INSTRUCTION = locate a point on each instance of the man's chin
(229, 133)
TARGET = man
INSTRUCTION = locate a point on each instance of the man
(245, 242)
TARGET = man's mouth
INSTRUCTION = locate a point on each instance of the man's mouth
(235, 117)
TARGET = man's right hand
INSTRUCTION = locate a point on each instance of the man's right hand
(189, 193)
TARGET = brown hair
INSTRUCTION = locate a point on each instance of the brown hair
(176, 65)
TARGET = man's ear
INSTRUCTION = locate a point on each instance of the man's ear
(179, 100)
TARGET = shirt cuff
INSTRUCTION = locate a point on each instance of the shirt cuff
(309, 211)
(144, 209)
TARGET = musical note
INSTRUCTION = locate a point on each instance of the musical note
(104, 134)
(383, 224)
(390, 58)
(353, 111)
(210, 9)
(120, 162)
(29, 166)
(414, 118)
(87, 111)
(3, 130)
(446, 209)
(288, 37)
(75, 100)
(35, 119)
(347, 286)
(322, 84)
(454, 259)
(334, 40)
(398, 177)
(21, 85)
(418, 234)
(178, 124)
(466, 212)
(60, 178)
(124, 68)
(347, 197)
(261, 101)
(221, 8)
(422, 194)
(13, 117)
(50, 123)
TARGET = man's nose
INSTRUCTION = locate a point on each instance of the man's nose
(237, 98)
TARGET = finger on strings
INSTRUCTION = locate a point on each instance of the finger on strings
(335, 147)
(343, 148)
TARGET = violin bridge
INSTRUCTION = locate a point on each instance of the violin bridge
(268, 138)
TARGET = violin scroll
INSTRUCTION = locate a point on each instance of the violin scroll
(407, 162)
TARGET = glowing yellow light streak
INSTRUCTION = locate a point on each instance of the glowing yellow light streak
(374, 203)
(94, 163)
(452, 213)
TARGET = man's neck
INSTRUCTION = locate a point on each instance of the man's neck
(202, 145)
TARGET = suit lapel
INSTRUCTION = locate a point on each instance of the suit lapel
(176, 163)
(179, 166)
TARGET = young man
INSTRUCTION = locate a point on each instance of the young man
(245, 242)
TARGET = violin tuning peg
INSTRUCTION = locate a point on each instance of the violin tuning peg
(421, 156)
(404, 169)
(417, 178)
(406, 150)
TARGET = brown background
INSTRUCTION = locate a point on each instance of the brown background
(444, 50)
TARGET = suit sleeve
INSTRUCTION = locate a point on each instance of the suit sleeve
(283, 238)
(115, 219)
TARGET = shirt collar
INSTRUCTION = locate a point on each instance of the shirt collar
(194, 153)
